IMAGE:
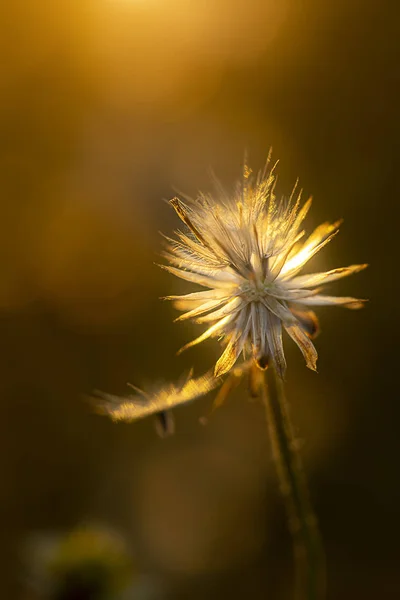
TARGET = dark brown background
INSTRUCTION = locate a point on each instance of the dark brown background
(105, 107)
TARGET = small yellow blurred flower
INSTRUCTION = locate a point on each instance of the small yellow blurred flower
(87, 561)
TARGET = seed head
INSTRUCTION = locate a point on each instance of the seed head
(247, 251)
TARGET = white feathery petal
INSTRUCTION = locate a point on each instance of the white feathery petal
(220, 281)
(255, 327)
(190, 301)
(264, 348)
(278, 309)
(308, 250)
(200, 296)
(274, 337)
(184, 305)
(210, 305)
(211, 331)
(227, 358)
(291, 294)
(319, 300)
(232, 306)
(281, 258)
(305, 344)
(325, 277)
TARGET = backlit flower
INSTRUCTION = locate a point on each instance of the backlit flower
(247, 251)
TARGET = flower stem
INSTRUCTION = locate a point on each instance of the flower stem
(308, 550)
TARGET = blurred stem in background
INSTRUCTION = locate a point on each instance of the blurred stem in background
(310, 579)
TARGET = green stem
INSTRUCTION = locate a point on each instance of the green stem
(308, 550)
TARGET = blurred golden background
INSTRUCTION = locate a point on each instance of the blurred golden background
(107, 107)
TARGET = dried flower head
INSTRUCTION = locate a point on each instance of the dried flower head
(158, 402)
(247, 250)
